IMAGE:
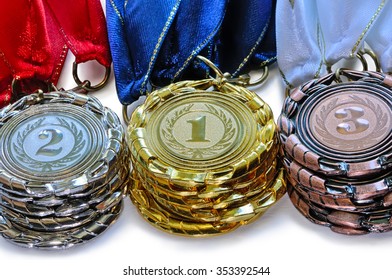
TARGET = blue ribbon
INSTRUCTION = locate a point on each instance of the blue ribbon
(154, 43)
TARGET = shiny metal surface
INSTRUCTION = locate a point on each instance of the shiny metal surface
(204, 157)
(337, 150)
(64, 170)
(342, 128)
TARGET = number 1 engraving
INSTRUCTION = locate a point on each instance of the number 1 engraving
(55, 137)
(198, 130)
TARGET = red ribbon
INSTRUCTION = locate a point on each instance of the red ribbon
(35, 36)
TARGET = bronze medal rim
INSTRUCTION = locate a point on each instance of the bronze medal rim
(311, 158)
(338, 203)
(356, 189)
(344, 222)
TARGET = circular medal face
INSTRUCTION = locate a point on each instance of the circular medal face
(50, 142)
(63, 170)
(201, 130)
(204, 161)
(342, 129)
(346, 122)
(337, 147)
(201, 136)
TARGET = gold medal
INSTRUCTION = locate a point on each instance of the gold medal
(175, 223)
(203, 154)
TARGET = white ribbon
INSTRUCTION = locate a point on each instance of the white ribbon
(299, 53)
(380, 38)
(314, 34)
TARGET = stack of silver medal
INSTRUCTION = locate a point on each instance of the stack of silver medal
(63, 169)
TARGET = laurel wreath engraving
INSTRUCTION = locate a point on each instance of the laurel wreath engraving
(199, 153)
(378, 130)
(48, 166)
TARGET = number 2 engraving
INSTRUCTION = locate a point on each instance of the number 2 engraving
(198, 130)
(345, 127)
(55, 137)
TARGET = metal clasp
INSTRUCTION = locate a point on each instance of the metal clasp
(86, 85)
(17, 91)
(242, 80)
(360, 55)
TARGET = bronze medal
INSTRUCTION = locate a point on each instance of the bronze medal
(337, 145)
(340, 129)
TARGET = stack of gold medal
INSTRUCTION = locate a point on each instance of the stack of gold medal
(337, 138)
(63, 171)
(204, 156)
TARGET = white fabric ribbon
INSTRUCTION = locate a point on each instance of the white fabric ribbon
(313, 34)
(299, 52)
(380, 38)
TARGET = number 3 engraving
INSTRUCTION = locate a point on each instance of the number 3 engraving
(55, 137)
(345, 127)
(198, 130)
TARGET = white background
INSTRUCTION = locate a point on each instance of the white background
(282, 239)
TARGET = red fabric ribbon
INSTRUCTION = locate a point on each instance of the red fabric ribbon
(35, 38)
(83, 26)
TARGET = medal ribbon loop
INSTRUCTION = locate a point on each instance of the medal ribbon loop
(237, 37)
(313, 35)
(36, 37)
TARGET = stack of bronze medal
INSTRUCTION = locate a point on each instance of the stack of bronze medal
(63, 170)
(337, 140)
(204, 161)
